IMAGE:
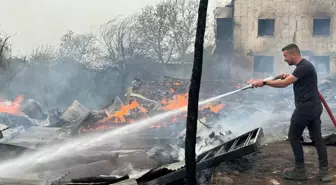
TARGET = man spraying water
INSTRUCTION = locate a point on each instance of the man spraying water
(307, 113)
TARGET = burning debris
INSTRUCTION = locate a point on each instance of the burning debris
(173, 173)
(13, 107)
(208, 136)
(33, 110)
(167, 155)
(161, 143)
(170, 94)
(245, 144)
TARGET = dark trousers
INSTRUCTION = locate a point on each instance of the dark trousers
(311, 118)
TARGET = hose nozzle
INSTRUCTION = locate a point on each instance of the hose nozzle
(247, 87)
(274, 77)
(269, 78)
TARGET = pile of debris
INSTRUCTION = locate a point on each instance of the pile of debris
(145, 99)
(27, 127)
(174, 172)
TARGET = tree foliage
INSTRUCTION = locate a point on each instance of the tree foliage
(4, 52)
(82, 48)
(162, 33)
(46, 55)
(120, 42)
(156, 34)
(182, 21)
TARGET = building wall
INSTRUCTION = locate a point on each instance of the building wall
(293, 23)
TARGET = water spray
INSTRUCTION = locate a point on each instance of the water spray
(57, 152)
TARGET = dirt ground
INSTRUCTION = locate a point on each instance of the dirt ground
(267, 167)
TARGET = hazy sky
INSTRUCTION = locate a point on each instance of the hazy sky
(39, 22)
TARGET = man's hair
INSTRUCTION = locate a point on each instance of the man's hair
(293, 48)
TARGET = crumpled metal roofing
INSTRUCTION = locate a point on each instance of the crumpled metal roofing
(127, 182)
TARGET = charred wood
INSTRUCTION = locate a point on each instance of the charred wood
(107, 180)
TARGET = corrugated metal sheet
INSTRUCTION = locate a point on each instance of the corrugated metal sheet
(116, 105)
(243, 145)
(3, 127)
(127, 182)
(11, 181)
(74, 112)
(176, 166)
(163, 169)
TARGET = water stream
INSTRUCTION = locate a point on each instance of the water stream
(56, 152)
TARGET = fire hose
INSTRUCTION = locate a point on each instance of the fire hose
(331, 115)
(324, 102)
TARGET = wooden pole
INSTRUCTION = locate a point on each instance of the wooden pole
(190, 142)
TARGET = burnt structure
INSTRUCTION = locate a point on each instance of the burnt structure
(259, 29)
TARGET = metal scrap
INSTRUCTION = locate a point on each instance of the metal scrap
(75, 112)
(33, 109)
(116, 105)
(59, 180)
(3, 128)
(73, 116)
(166, 155)
(11, 133)
(127, 182)
(243, 145)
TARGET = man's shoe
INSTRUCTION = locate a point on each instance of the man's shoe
(296, 174)
(323, 174)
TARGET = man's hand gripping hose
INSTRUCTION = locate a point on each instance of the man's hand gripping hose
(269, 78)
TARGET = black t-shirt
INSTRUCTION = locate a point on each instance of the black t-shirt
(305, 88)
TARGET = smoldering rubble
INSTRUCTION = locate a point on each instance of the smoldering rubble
(227, 129)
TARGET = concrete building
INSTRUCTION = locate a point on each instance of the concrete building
(256, 30)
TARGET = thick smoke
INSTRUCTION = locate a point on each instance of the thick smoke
(57, 86)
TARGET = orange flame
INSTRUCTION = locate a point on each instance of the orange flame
(119, 116)
(133, 111)
(216, 108)
(12, 108)
(178, 101)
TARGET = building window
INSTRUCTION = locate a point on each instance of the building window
(264, 64)
(321, 63)
(321, 27)
(224, 29)
(266, 27)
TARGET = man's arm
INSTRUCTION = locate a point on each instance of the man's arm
(298, 73)
(282, 83)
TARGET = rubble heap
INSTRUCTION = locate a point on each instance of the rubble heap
(143, 99)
